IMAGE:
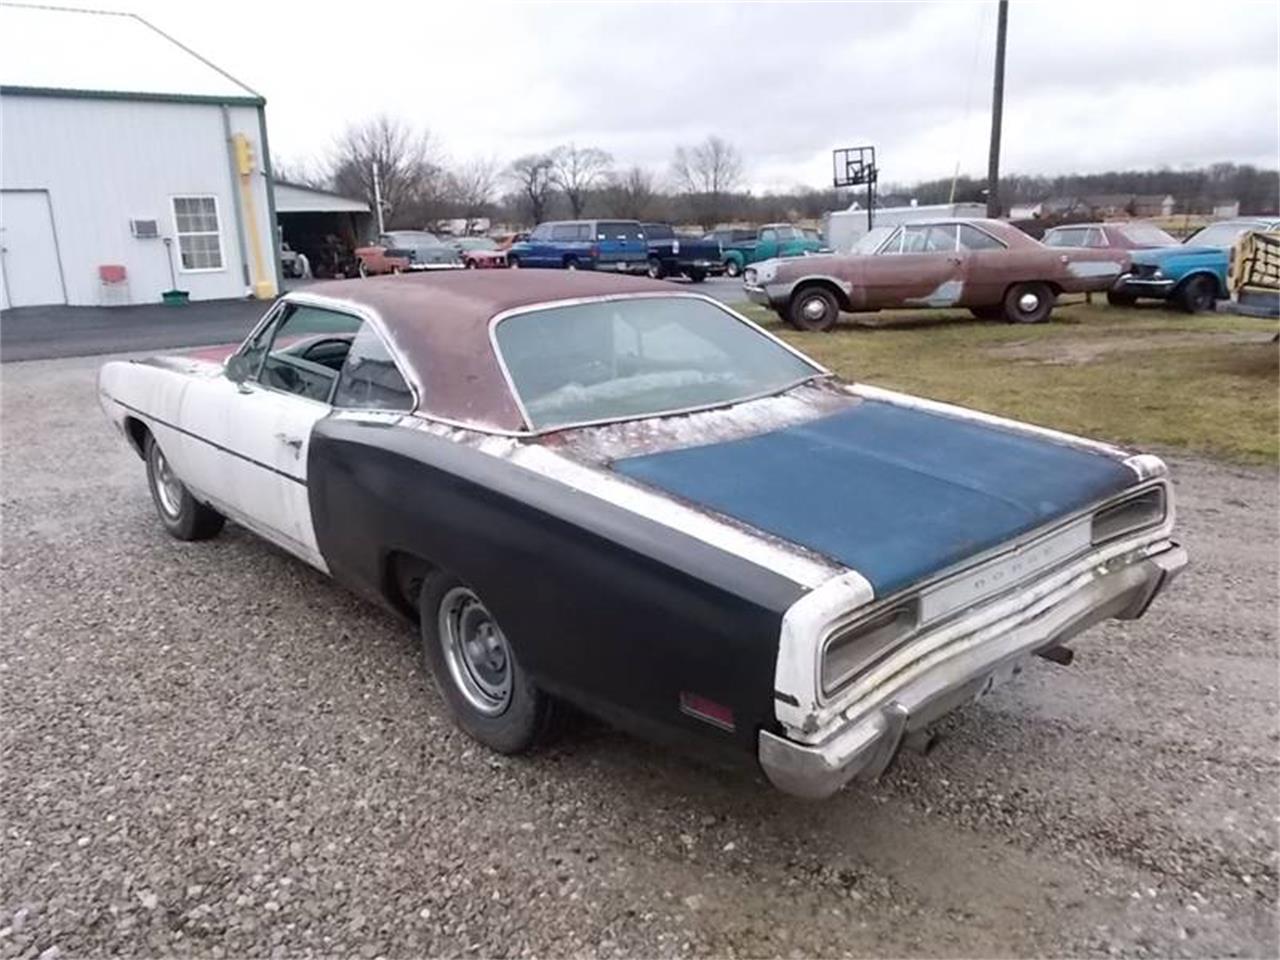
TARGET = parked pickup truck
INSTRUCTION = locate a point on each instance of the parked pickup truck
(616, 245)
(673, 254)
(773, 240)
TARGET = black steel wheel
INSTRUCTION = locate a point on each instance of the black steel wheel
(1028, 303)
(1196, 294)
(813, 308)
(476, 669)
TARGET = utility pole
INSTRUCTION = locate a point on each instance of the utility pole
(377, 198)
(997, 114)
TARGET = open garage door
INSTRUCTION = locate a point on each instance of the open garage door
(324, 227)
(32, 270)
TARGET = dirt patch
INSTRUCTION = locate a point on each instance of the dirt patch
(1076, 352)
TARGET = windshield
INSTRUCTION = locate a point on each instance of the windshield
(414, 238)
(639, 357)
(870, 241)
(1147, 235)
(1220, 234)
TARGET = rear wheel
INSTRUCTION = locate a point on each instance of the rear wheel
(655, 270)
(813, 308)
(1197, 294)
(182, 515)
(513, 263)
(1028, 303)
(732, 268)
(697, 276)
(361, 269)
(475, 668)
(571, 263)
(1121, 299)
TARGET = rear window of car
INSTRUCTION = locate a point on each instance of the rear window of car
(638, 357)
(1147, 235)
(657, 231)
(619, 230)
(971, 238)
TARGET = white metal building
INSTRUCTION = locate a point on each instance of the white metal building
(122, 148)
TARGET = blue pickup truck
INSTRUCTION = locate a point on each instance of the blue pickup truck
(615, 245)
(1193, 274)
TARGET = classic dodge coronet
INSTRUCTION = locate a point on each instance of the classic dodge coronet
(605, 491)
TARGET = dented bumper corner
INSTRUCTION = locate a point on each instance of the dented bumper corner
(864, 746)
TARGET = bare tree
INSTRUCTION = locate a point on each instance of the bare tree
(409, 168)
(631, 195)
(473, 186)
(708, 172)
(578, 170)
(531, 175)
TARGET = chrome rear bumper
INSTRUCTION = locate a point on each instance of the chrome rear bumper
(868, 742)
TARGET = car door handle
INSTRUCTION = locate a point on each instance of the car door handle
(288, 441)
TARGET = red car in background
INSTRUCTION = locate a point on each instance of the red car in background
(479, 253)
(1125, 235)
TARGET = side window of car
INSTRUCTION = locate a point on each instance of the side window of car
(914, 239)
(564, 232)
(584, 231)
(768, 236)
(942, 238)
(971, 238)
(369, 379)
(249, 359)
(541, 232)
(891, 246)
(1067, 238)
(1095, 238)
(307, 351)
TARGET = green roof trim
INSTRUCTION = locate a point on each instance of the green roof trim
(126, 95)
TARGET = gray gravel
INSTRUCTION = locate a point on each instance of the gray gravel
(209, 750)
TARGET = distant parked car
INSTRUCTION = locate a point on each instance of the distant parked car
(994, 269)
(479, 252)
(671, 254)
(402, 251)
(1131, 235)
(1192, 274)
(292, 263)
(773, 240)
(617, 245)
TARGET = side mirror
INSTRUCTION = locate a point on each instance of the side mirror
(237, 368)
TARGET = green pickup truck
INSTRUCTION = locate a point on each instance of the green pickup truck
(772, 240)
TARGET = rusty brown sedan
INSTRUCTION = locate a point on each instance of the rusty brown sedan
(993, 268)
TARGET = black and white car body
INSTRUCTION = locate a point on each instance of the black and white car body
(603, 490)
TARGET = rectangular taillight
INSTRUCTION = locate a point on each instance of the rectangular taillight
(1133, 513)
(862, 644)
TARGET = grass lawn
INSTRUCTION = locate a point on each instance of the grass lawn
(1140, 376)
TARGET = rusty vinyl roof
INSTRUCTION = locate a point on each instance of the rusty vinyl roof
(438, 324)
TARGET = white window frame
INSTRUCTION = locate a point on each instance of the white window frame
(178, 235)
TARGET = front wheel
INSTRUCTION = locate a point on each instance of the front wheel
(513, 263)
(182, 515)
(1028, 303)
(813, 308)
(571, 264)
(655, 270)
(697, 276)
(732, 268)
(475, 668)
(361, 270)
(1197, 294)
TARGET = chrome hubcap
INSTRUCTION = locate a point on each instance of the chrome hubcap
(814, 309)
(1028, 302)
(168, 486)
(476, 651)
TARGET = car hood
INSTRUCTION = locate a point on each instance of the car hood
(1159, 255)
(894, 492)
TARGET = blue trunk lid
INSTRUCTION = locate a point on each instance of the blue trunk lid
(894, 492)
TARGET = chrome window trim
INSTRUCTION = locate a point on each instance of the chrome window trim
(1119, 545)
(530, 431)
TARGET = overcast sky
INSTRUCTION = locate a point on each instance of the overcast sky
(1090, 86)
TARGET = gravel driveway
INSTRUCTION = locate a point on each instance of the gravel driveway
(209, 750)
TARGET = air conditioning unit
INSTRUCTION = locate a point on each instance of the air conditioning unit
(144, 229)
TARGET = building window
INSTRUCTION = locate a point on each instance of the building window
(195, 221)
